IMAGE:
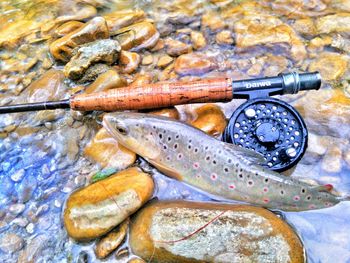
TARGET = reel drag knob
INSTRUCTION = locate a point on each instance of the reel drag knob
(270, 127)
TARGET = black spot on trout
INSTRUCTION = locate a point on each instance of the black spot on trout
(188, 154)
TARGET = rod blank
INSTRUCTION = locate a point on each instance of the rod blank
(48, 105)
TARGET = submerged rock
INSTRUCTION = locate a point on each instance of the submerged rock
(137, 36)
(107, 80)
(123, 18)
(10, 243)
(212, 232)
(112, 240)
(193, 64)
(224, 37)
(334, 23)
(331, 66)
(68, 27)
(104, 50)
(96, 209)
(210, 119)
(198, 40)
(267, 30)
(176, 47)
(106, 151)
(62, 48)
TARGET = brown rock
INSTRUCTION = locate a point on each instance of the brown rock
(193, 64)
(137, 36)
(48, 87)
(108, 80)
(123, 18)
(68, 27)
(333, 23)
(331, 66)
(96, 209)
(111, 241)
(213, 21)
(141, 79)
(160, 45)
(183, 231)
(265, 30)
(198, 40)
(95, 29)
(103, 50)
(210, 119)
(164, 61)
(130, 61)
(170, 113)
(305, 26)
(224, 37)
(93, 72)
(136, 260)
(177, 48)
(106, 151)
(78, 12)
(147, 60)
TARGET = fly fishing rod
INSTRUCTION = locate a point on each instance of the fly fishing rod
(159, 95)
(266, 125)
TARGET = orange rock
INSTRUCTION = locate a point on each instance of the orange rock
(95, 29)
(198, 40)
(108, 80)
(112, 240)
(48, 87)
(123, 18)
(224, 37)
(137, 36)
(339, 23)
(130, 61)
(266, 30)
(164, 61)
(141, 79)
(106, 151)
(182, 231)
(210, 119)
(170, 113)
(96, 209)
(331, 66)
(193, 64)
(177, 48)
(68, 27)
(213, 21)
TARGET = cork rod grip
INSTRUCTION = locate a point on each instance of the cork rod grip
(156, 95)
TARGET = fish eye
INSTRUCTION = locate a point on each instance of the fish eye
(122, 130)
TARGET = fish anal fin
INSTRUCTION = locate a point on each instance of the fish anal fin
(166, 170)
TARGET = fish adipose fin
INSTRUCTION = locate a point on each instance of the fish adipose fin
(324, 188)
(247, 155)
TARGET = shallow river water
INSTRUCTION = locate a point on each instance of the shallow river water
(42, 156)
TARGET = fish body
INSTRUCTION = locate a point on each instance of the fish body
(225, 170)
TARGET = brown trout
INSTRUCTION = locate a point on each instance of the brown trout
(225, 170)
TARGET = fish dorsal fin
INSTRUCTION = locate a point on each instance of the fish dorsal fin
(244, 154)
(324, 188)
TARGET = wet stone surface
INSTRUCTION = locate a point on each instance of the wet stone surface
(47, 155)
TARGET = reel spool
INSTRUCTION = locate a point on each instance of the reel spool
(270, 127)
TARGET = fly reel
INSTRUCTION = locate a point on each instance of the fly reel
(271, 126)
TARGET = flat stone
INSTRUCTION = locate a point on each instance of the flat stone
(111, 241)
(339, 23)
(164, 61)
(104, 50)
(179, 231)
(123, 18)
(331, 66)
(67, 28)
(176, 47)
(147, 60)
(106, 151)
(193, 64)
(137, 36)
(62, 48)
(107, 80)
(96, 209)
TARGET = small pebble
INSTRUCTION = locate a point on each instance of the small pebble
(164, 61)
(17, 209)
(30, 228)
(147, 60)
(18, 176)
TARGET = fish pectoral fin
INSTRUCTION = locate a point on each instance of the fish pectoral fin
(166, 170)
(245, 154)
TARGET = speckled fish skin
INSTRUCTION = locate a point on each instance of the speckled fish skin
(190, 155)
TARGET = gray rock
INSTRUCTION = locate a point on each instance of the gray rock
(16, 209)
(10, 243)
(18, 175)
(26, 189)
(106, 50)
(31, 251)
